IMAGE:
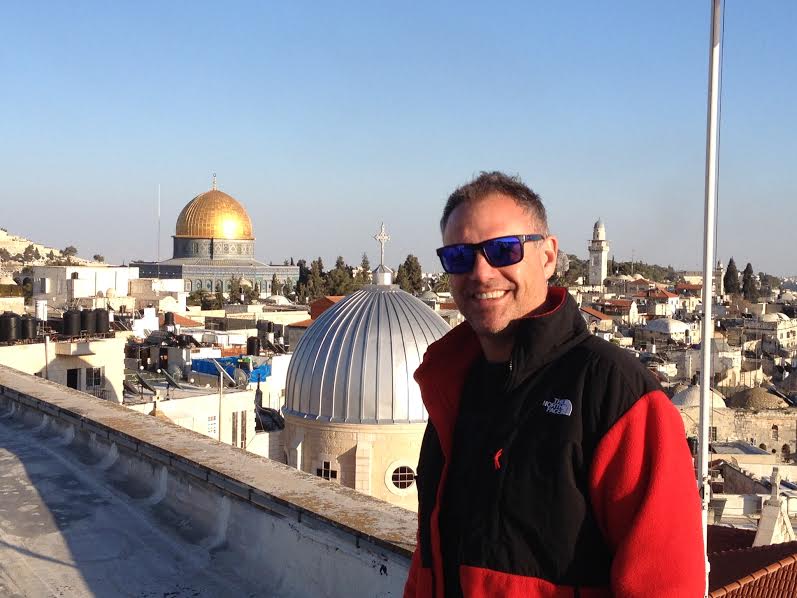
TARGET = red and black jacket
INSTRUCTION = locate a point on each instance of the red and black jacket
(588, 488)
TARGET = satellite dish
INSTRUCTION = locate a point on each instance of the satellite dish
(241, 378)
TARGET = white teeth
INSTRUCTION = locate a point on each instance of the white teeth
(490, 295)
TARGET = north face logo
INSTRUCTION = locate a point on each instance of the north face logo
(558, 406)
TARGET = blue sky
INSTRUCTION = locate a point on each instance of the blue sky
(324, 119)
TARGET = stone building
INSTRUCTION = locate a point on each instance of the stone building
(754, 416)
(776, 332)
(91, 365)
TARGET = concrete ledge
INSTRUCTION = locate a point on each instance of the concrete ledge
(272, 487)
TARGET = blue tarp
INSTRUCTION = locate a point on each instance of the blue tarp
(205, 366)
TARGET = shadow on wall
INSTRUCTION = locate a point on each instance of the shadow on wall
(79, 519)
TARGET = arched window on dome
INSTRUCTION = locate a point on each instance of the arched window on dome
(197, 285)
(219, 286)
(785, 452)
(228, 286)
(209, 285)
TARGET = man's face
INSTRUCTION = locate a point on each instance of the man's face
(491, 299)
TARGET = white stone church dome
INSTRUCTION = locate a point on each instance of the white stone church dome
(355, 364)
(690, 397)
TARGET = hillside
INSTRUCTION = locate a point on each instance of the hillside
(16, 246)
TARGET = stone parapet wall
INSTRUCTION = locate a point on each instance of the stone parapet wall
(289, 532)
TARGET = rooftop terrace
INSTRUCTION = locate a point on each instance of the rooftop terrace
(99, 500)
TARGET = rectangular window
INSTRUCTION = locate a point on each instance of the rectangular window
(712, 434)
(213, 429)
(94, 378)
(234, 417)
(326, 471)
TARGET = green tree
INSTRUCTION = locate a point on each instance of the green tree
(749, 286)
(316, 283)
(364, 275)
(4, 254)
(29, 254)
(442, 284)
(731, 279)
(275, 285)
(414, 274)
(402, 280)
(98, 258)
(339, 279)
(69, 251)
(768, 281)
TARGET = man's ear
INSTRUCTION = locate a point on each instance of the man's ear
(550, 248)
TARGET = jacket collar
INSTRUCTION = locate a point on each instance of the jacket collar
(540, 339)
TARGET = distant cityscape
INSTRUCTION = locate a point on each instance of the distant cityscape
(312, 367)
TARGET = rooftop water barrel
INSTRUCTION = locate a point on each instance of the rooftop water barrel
(252, 345)
(9, 327)
(102, 320)
(71, 323)
(27, 328)
(168, 318)
(88, 321)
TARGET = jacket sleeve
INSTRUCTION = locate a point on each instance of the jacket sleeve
(644, 493)
(410, 588)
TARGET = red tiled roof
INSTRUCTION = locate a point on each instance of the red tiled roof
(302, 324)
(685, 286)
(754, 572)
(180, 321)
(595, 313)
(615, 302)
(322, 304)
(448, 305)
(656, 294)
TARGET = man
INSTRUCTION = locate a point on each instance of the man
(552, 464)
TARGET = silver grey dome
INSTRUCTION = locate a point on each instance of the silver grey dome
(355, 363)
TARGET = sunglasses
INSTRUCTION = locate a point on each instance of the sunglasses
(499, 252)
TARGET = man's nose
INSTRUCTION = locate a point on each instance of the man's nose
(482, 270)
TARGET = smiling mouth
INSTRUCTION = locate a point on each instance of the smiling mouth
(490, 295)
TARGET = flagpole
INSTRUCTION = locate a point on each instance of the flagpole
(712, 142)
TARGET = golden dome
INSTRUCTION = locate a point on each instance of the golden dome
(214, 215)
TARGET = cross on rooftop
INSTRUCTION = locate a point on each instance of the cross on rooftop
(382, 237)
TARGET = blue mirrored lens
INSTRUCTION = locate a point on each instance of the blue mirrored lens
(457, 259)
(503, 252)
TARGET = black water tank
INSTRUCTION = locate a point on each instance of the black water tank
(88, 321)
(168, 318)
(270, 327)
(262, 325)
(27, 328)
(253, 346)
(103, 324)
(71, 323)
(9, 327)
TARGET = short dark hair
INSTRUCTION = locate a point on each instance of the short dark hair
(488, 183)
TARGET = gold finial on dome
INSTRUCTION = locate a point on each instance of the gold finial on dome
(213, 187)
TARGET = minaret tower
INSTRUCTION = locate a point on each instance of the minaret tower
(598, 255)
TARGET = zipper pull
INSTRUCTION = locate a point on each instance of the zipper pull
(497, 459)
